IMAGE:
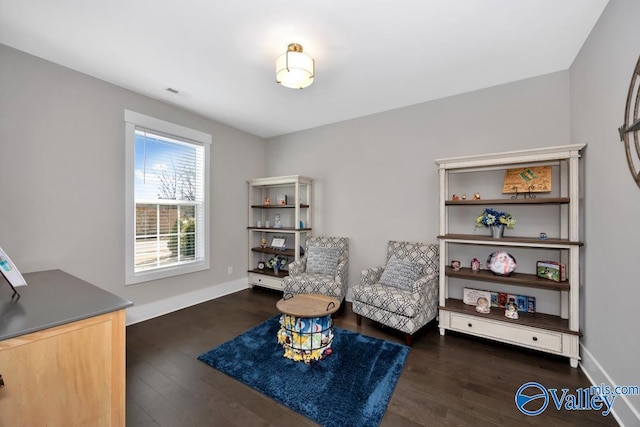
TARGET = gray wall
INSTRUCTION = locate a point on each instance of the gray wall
(62, 173)
(600, 78)
(375, 177)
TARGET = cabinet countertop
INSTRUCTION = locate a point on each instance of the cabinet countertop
(52, 298)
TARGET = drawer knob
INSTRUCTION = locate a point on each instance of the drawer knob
(535, 338)
(469, 325)
(1, 381)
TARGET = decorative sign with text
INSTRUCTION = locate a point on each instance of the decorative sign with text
(536, 179)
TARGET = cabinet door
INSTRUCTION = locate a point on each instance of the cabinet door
(70, 375)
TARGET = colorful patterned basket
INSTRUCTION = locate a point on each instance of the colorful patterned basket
(305, 339)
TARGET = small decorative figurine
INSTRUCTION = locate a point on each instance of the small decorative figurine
(511, 309)
(455, 197)
(464, 197)
(475, 264)
(267, 201)
(476, 196)
(263, 243)
(483, 305)
(543, 236)
(455, 265)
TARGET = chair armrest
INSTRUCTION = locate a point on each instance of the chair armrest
(342, 272)
(371, 276)
(298, 267)
(421, 284)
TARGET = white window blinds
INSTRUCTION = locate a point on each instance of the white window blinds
(168, 192)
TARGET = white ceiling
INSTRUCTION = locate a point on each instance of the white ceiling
(371, 55)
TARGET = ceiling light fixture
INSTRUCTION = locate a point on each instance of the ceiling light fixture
(295, 69)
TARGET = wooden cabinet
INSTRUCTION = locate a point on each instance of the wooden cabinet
(279, 208)
(69, 375)
(556, 211)
(62, 353)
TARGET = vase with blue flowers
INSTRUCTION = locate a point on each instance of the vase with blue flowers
(496, 221)
(277, 262)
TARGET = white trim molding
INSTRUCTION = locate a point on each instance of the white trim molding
(623, 410)
(132, 121)
(139, 313)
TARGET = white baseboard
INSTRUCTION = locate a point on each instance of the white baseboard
(623, 410)
(139, 313)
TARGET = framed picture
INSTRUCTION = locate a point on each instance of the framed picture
(536, 179)
(551, 270)
(471, 296)
(278, 242)
(11, 273)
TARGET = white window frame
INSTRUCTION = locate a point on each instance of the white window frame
(135, 120)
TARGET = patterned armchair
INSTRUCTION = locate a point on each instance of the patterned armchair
(404, 294)
(323, 269)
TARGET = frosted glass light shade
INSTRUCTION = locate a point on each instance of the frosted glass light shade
(294, 69)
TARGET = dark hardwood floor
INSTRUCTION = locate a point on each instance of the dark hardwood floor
(453, 380)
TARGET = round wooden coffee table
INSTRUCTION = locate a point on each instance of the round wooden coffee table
(306, 327)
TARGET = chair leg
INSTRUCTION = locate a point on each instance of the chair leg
(408, 339)
(342, 308)
(358, 319)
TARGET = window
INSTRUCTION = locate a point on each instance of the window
(167, 205)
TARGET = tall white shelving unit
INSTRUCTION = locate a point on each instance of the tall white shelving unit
(295, 216)
(553, 333)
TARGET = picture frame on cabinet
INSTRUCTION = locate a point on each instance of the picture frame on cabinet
(502, 299)
(494, 299)
(279, 243)
(522, 301)
(471, 296)
(531, 304)
(551, 270)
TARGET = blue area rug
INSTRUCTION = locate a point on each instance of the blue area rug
(350, 387)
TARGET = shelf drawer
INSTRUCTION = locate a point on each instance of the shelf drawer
(256, 279)
(509, 333)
